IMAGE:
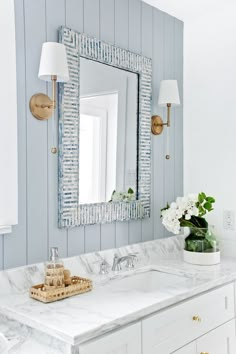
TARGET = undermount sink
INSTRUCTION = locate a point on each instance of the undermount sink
(150, 281)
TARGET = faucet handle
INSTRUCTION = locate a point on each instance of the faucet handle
(103, 267)
(134, 255)
(130, 260)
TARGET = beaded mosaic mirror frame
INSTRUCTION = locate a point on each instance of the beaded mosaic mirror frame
(71, 213)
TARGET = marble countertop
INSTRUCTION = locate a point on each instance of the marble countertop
(109, 306)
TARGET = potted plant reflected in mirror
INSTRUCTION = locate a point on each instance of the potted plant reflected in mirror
(201, 245)
(128, 196)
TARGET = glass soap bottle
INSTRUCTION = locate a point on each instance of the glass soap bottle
(54, 270)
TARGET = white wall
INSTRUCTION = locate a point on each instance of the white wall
(210, 111)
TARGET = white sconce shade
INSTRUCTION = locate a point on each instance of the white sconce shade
(53, 62)
(169, 93)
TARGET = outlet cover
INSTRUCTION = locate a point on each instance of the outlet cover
(229, 220)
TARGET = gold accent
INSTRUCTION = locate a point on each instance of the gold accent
(157, 122)
(157, 125)
(41, 106)
(53, 150)
(197, 319)
(205, 353)
(168, 114)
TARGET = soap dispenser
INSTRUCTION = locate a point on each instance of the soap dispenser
(54, 270)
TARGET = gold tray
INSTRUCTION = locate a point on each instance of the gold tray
(45, 294)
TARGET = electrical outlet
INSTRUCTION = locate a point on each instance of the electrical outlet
(229, 220)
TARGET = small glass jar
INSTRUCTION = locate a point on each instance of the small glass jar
(54, 270)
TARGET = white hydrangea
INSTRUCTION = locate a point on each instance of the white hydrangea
(184, 207)
(122, 197)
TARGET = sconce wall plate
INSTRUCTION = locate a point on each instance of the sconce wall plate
(157, 125)
(41, 106)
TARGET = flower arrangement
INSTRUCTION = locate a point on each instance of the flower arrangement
(189, 211)
(128, 196)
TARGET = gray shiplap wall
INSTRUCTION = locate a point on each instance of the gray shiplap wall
(131, 24)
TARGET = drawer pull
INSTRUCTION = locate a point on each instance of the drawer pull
(198, 319)
(205, 353)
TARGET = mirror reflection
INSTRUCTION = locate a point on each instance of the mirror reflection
(108, 131)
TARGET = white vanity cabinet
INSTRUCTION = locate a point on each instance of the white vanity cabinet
(124, 341)
(202, 325)
(171, 329)
(8, 118)
(219, 341)
(187, 349)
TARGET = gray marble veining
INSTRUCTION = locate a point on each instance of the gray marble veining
(110, 305)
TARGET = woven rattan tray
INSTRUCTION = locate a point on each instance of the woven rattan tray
(45, 294)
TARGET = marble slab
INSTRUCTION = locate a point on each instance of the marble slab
(16, 338)
(108, 307)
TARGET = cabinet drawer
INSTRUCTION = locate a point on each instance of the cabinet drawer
(124, 341)
(181, 324)
(219, 341)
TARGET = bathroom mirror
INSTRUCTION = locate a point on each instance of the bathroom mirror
(104, 132)
(108, 131)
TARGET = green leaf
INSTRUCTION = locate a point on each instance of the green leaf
(210, 199)
(208, 206)
(200, 198)
(165, 208)
(204, 195)
(130, 191)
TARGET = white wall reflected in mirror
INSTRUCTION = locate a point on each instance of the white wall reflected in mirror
(98, 147)
(108, 131)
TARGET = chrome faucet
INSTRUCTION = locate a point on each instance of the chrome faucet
(117, 261)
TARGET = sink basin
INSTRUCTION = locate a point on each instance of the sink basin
(150, 281)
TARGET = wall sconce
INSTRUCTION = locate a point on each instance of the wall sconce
(168, 96)
(53, 67)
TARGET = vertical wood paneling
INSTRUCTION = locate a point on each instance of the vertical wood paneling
(122, 23)
(74, 13)
(127, 23)
(75, 20)
(107, 20)
(91, 17)
(122, 40)
(37, 149)
(107, 33)
(56, 236)
(169, 172)
(157, 141)
(178, 117)
(18, 239)
(92, 238)
(146, 49)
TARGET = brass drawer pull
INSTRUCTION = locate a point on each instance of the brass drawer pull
(205, 353)
(198, 319)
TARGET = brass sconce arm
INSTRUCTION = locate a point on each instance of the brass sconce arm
(158, 124)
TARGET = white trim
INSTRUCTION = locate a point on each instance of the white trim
(5, 230)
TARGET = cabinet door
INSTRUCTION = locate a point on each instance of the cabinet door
(220, 341)
(188, 349)
(124, 341)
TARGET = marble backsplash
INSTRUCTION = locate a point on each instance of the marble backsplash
(18, 280)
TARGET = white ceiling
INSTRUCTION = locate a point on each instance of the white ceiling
(188, 9)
